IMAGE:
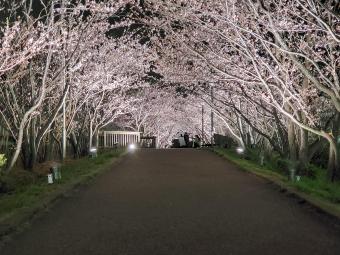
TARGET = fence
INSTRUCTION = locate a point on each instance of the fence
(111, 139)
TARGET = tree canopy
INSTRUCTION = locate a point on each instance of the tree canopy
(268, 70)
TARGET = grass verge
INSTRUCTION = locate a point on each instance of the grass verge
(27, 201)
(317, 191)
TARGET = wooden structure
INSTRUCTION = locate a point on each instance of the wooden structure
(148, 142)
(112, 139)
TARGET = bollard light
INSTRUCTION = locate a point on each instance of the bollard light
(56, 172)
(50, 178)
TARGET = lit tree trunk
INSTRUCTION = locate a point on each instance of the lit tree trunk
(303, 152)
(292, 149)
(97, 138)
(281, 133)
(25, 151)
(33, 152)
(303, 149)
(90, 135)
(48, 147)
(33, 149)
(64, 138)
(27, 115)
(75, 144)
(333, 159)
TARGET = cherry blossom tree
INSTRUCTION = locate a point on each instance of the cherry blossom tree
(166, 113)
(268, 71)
(283, 55)
(54, 45)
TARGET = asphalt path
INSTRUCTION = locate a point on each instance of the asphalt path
(160, 202)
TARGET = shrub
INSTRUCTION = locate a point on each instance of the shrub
(3, 160)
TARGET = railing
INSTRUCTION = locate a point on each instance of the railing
(148, 142)
(111, 139)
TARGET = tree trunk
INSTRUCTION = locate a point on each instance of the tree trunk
(33, 149)
(282, 134)
(97, 138)
(333, 159)
(73, 142)
(333, 162)
(25, 152)
(48, 147)
(28, 113)
(90, 135)
(292, 149)
(303, 152)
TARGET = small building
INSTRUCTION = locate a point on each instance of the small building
(113, 139)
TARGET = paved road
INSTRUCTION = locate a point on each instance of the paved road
(160, 202)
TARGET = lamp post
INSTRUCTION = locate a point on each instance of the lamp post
(212, 116)
(64, 140)
(202, 125)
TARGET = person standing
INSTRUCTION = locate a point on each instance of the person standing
(186, 139)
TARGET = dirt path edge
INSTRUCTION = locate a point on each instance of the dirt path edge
(321, 206)
(21, 219)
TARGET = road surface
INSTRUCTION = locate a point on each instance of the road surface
(160, 202)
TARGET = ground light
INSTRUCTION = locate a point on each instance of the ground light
(132, 147)
(240, 150)
(93, 152)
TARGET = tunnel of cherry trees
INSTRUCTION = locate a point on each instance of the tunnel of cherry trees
(266, 73)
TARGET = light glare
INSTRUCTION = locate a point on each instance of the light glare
(132, 147)
(239, 150)
(93, 149)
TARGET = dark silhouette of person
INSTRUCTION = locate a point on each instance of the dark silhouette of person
(197, 141)
(186, 139)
